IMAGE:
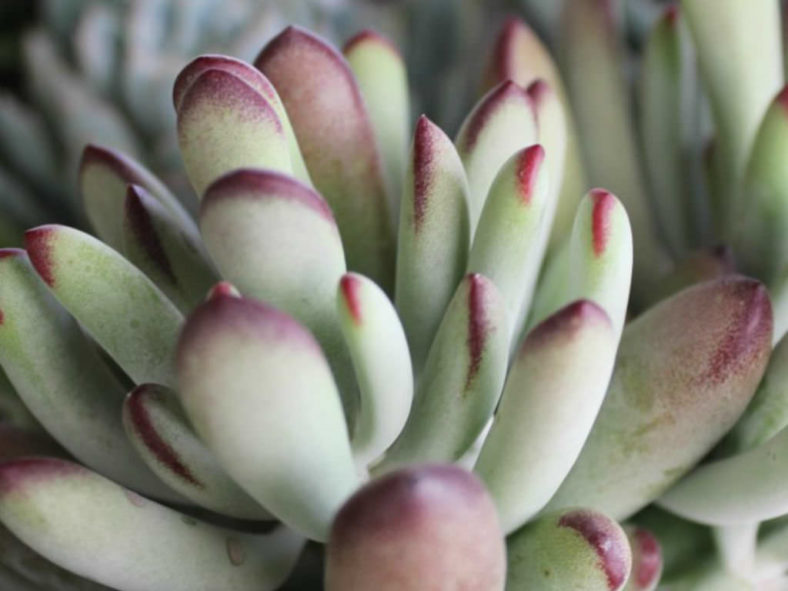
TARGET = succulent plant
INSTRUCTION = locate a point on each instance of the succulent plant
(421, 352)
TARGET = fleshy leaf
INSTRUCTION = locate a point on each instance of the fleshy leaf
(767, 414)
(381, 360)
(131, 543)
(501, 123)
(742, 489)
(506, 244)
(62, 380)
(224, 123)
(337, 140)
(432, 249)
(762, 219)
(113, 300)
(104, 175)
(573, 549)
(160, 432)
(291, 453)
(277, 241)
(591, 53)
(646, 560)
(254, 78)
(726, 35)
(662, 124)
(171, 258)
(519, 55)
(431, 527)
(462, 379)
(383, 82)
(552, 395)
(686, 370)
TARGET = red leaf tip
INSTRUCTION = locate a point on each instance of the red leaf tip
(647, 558)
(38, 242)
(529, 164)
(605, 538)
(423, 158)
(223, 289)
(350, 286)
(603, 204)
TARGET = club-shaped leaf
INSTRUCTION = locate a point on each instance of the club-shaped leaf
(519, 55)
(104, 175)
(593, 69)
(596, 264)
(646, 559)
(160, 432)
(58, 374)
(686, 370)
(173, 259)
(432, 249)
(506, 244)
(337, 140)
(726, 35)
(99, 530)
(225, 123)
(600, 266)
(260, 394)
(386, 537)
(462, 379)
(277, 241)
(553, 392)
(381, 359)
(113, 300)
(762, 219)
(254, 78)
(502, 123)
(383, 82)
(571, 549)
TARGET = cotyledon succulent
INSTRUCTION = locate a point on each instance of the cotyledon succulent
(414, 349)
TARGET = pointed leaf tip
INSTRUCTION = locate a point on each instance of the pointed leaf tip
(604, 202)
(38, 243)
(350, 286)
(528, 167)
(423, 157)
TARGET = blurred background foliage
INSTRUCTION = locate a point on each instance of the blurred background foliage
(74, 72)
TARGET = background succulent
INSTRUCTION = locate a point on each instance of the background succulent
(395, 303)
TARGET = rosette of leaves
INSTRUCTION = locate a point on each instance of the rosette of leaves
(414, 349)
